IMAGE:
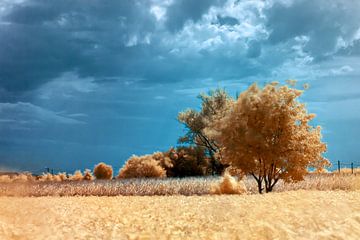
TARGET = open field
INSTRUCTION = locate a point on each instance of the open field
(323, 206)
(168, 186)
(287, 215)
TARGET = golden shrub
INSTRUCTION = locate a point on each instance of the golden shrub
(103, 171)
(62, 176)
(23, 177)
(46, 177)
(88, 175)
(229, 185)
(5, 179)
(77, 176)
(164, 161)
(142, 167)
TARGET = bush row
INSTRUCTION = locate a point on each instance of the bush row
(176, 162)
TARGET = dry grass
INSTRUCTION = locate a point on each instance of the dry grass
(286, 215)
(170, 186)
(125, 187)
(324, 182)
(348, 170)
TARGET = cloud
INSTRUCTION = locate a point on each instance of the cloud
(227, 20)
(43, 41)
(184, 10)
(68, 85)
(40, 40)
(327, 24)
(22, 116)
(352, 49)
(342, 70)
(164, 42)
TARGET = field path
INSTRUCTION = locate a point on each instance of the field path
(287, 215)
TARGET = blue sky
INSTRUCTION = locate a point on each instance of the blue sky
(83, 81)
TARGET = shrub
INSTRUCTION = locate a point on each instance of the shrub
(23, 177)
(188, 161)
(62, 176)
(103, 171)
(88, 175)
(5, 179)
(163, 159)
(142, 166)
(77, 176)
(229, 185)
(45, 177)
(179, 162)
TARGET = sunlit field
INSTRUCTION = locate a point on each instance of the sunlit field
(323, 206)
(286, 215)
(169, 186)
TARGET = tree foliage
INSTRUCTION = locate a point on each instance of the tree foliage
(103, 171)
(267, 134)
(176, 162)
(188, 161)
(147, 166)
(213, 106)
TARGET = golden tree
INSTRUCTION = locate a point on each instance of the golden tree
(267, 134)
(213, 105)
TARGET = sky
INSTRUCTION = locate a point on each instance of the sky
(84, 81)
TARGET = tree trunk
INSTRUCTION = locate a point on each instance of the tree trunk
(270, 184)
(259, 181)
(269, 189)
(260, 188)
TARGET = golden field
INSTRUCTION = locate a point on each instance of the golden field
(20, 187)
(323, 206)
(287, 215)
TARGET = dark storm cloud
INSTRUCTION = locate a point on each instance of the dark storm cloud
(41, 39)
(324, 22)
(31, 55)
(182, 10)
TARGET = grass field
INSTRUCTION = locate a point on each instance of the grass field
(286, 215)
(167, 186)
(323, 206)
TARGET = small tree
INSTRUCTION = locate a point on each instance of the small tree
(213, 106)
(267, 135)
(103, 171)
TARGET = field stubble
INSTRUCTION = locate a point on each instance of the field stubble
(169, 186)
(286, 215)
